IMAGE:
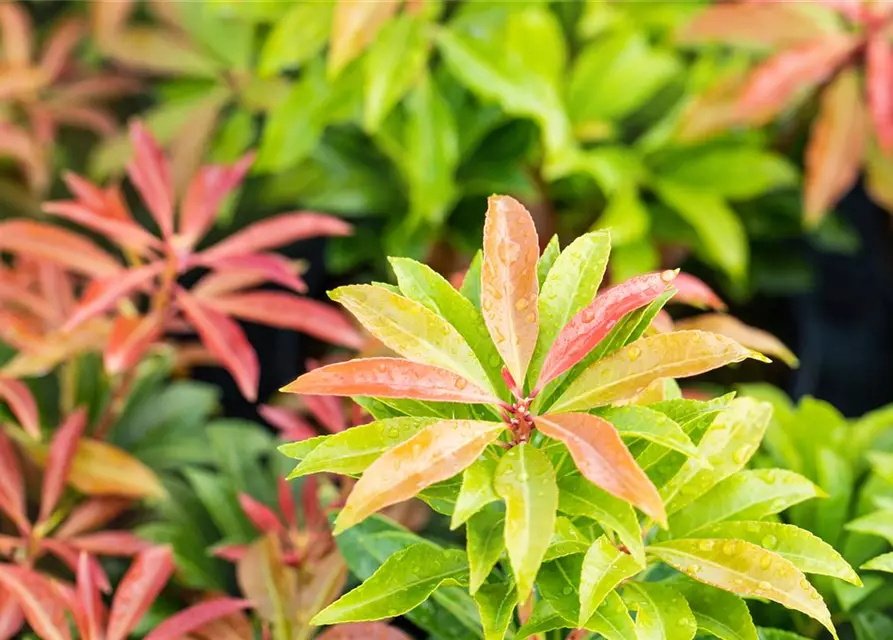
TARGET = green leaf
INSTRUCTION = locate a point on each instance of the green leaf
(544, 618)
(411, 329)
(424, 285)
(525, 479)
(471, 284)
(719, 229)
(222, 503)
(302, 448)
(835, 476)
(879, 523)
(571, 284)
(484, 537)
(661, 612)
(807, 552)
(872, 625)
(496, 603)
(296, 37)
(579, 497)
(738, 173)
(566, 540)
(558, 583)
(394, 61)
(612, 619)
(604, 567)
(648, 424)
(626, 217)
(476, 492)
(727, 446)
(778, 634)
(404, 581)
(547, 259)
(747, 495)
(350, 452)
(719, 613)
(882, 562)
(746, 569)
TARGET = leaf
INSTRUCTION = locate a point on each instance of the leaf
(631, 369)
(720, 613)
(412, 330)
(436, 453)
(57, 245)
(477, 491)
(570, 285)
(604, 567)
(362, 631)
(354, 26)
(546, 260)
(579, 497)
(883, 562)
(544, 618)
(353, 450)
(509, 286)
(836, 147)
(44, 609)
(747, 495)
(718, 228)
(150, 172)
(745, 569)
(807, 552)
(296, 37)
(879, 523)
(612, 620)
(405, 580)
(745, 335)
(871, 625)
(130, 338)
(693, 291)
(661, 612)
(650, 425)
(566, 540)
(21, 402)
(277, 231)
(496, 602)
(158, 50)
(485, 544)
(60, 460)
(756, 24)
(138, 589)
(471, 283)
(103, 294)
(626, 217)
(525, 479)
(195, 617)
(603, 459)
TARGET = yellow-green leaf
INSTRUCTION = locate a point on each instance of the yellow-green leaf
(883, 562)
(485, 544)
(604, 567)
(476, 491)
(662, 612)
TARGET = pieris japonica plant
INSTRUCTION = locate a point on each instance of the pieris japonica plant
(546, 419)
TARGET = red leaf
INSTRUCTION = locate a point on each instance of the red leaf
(56, 245)
(138, 589)
(836, 146)
(17, 395)
(278, 231)
(878, 79)
(70, 557)
(751, 23)
(261, 516)
(603, 459)
(776, 83)
(389, 378)
(12, 487)
(11, 617)
(131, 337)
(327, 411)
(230, 552)
(194, 617)
(509, 287)
(364, 631)
(287, 502)
(292, 427)
(663, 322)
(110, 543)
(220, 283)
(150, 174)
(90, 515)
(61, 455)
(125, 232)
(104, 294)
(286, 311)
(43, 608)
(272, 268)
(693, 291)
(226, 340)
(594, 321)
(59, 46)
(207, 190)
(89, 613)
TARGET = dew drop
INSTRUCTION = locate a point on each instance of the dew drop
(740, 455)
(531, 318)
(765, 562)
(770, 542)
(567, 591)
(588, 315)
(705, 545)
(633, 353)
(521, 304)
(753, 527)
(668, 276)
(461, 383)
(815, 595)
(763, 585)
(804, 584)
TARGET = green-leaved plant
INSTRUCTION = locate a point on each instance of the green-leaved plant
(518, 411)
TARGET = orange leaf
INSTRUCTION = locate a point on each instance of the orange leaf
(56, 245)
(836, 146)
(60, 460)
(435, 453)
(17, 32)
(354, 26)
(749, 23)
(389, 378)
(509, 286)
(44, 610)
(131, 337)
(17, 395)
(603, 459)
(364, 631)
(59, 45)
(878, 76)
(138, 589)
(750, 337)
(102, 295)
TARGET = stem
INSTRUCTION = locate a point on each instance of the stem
(69, 384)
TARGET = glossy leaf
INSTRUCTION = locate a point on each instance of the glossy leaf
(603, 459)
(720, 613)
(485, 545)
(547, 259)
(436, 453)
(883, 562)
(525, 479)
(138, 589)
(745, 335)
(604, 567)
(89, 616)
(745, 569)
(104, 294)
(695, 292)
(631, 369)
(405, 580)
(20, 401)
(566, 539)
(471, 283)
(662, 613)
(648, 424)
(879, 523)
(496, 602)
(412, 330)
(43, 608)
(509, 286)
(477, 491)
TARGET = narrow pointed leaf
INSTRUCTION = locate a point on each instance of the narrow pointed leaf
(131, 337)
(261, 516)
(604, 567)
(404, 581)
(631, 369)
(761, 24)
(547, 259)
(123, 231)
(471, 283)
(12, 486)
(648, 424)
(566, 539)
(150, 173)
(509, 286)
(485, 545)
(195, 617)
(558, 583)
(17, 395)
(103, 295)
(89, 617)
(878, 73)
(277, 231)
(526, 481)
(883, 562)
(354, 27)
(138, 589)
(695, 292)
(56, 245)
(591, 325)
(436, 453)
(496, 603)
(412, 330)
(603, 459)
(745, 335)
(745, 569)
(43, 608)
(720, 613)
(662, 613)
(476, 492)
(59, 461)
(389, 378)
(878, 523)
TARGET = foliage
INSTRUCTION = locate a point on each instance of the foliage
(517, 412)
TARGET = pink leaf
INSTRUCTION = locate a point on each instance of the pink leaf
(595, 321)
(389, 378)
(286, 311)
(110, 543)
(261, 516)
(327, 411)
(11, 617)
(138, 589)
(106, 293)
(125, 232)
(90, 515)
(56, 245)
(208, 189)
(693, 291)
(226, 340)
(292, 427)
(364, 631)
(12, 487)
(194, 617)
(230, 552)
(150, 174)
(286, 503)
(70, 557)
(278, 231)
(89, 613)
(43, 608)
(130, 339)
(59, 46)
(878, 79)
(272, 267)
(62, 449)
(17, 31)
(17, 395)
(314, 518)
